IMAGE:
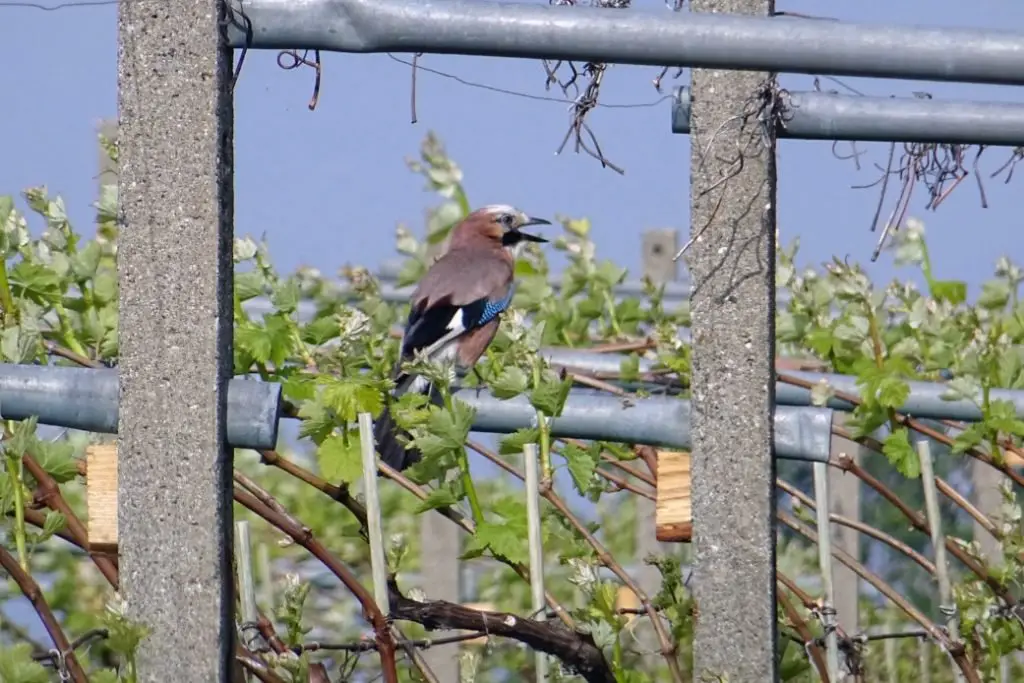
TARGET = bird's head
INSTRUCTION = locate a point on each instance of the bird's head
(497, 223)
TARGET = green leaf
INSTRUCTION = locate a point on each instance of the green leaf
(452, 427)
(348, 397)
(340, 462)
(551, 394)
(953, 291)
(892, 392)
(513, 443)
(104, 676)
(104, 288)
(317, 423)
(321, 330)
(969, 438)
(438, 498)
(629, 368)
(432, 446)
(901, 454)
(248, 285)
(285, 296)
(35, 282)
(582, 465)
(994, 294)
(506, 538)
(16, 665)
(510, 383)
(86, 261)
(19, 345)
(57, 458)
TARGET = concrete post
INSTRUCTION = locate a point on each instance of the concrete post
(732, 267)
(846, 502)
(659, 247)
(440, 566)
(989, 500)
(441, 573)
(175, 272)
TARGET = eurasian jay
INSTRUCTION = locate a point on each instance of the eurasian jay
(456, 307)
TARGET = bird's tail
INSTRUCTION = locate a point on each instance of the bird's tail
(392, 452)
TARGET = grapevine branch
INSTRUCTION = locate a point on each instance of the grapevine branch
(576, 649)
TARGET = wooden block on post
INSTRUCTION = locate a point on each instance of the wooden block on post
(101, 496)
(673, 513)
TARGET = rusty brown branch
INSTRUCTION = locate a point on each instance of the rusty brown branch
(863, 528)
(301, 535)
(30, 589)
(919, 522)
(800, 624)
(955, 649)
(48, 494)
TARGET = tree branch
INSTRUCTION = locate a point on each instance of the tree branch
(575, 649)
(31, 590)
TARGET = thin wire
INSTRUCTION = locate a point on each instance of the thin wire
(524, 95)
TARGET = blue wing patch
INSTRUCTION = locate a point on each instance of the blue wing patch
(493, 308)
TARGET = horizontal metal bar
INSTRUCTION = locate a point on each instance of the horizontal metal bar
(800, 433)
(631, 36)
(925, 397)
(828, 116)
(87, 399)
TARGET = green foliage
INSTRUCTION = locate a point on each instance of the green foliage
(59, 291)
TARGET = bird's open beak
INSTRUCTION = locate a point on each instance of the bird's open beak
(530, 220)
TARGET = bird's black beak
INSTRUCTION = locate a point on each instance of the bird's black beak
(533, 221)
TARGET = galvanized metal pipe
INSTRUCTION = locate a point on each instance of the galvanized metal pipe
(87, 399)
(800, 433)
(631, 36)
(830, 116)
(925, 399)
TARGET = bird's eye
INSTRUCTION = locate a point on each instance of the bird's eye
(508, 220)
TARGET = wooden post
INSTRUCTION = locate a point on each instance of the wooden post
(674, 510)
(175, 175)
(731, 263)
(101, 497)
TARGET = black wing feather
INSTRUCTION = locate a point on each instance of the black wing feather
(426, 326)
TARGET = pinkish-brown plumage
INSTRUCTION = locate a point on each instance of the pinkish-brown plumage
(455, 308)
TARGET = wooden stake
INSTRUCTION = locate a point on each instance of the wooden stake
(673, 515)
(101, 496)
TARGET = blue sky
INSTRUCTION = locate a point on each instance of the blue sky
(328, 187)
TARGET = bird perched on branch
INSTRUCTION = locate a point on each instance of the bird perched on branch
(456, 307)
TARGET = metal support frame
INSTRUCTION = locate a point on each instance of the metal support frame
(830, 116)
(87, 399)
(631, 36)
